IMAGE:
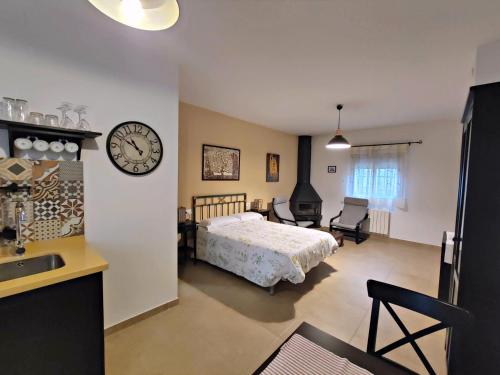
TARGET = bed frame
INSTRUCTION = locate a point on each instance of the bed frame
(207, 206)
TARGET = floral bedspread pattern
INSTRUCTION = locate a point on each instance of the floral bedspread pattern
(265, 252)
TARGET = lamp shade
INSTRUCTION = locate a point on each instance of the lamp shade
(338, 142)
(141, 14)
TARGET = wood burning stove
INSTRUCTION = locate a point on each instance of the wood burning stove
(305, 202)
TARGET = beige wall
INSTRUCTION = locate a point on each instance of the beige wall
(432, 184)
(198, 126)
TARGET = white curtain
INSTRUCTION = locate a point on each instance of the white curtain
(379, 173)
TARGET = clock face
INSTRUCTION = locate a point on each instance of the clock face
(134, 148)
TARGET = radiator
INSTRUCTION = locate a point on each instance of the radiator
(380, 221)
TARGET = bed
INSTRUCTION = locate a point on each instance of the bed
(261, 251)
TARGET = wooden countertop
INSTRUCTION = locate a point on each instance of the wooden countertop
(79, 257)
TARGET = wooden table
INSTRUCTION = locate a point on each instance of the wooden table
(367, 361)
(339, 236)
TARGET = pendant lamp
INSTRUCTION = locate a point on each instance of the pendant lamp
(338, 142)
(141, 14)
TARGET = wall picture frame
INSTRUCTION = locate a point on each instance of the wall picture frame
(332, 169)
(220, 163)
(272, 167)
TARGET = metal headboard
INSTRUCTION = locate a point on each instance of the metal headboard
(207, 206)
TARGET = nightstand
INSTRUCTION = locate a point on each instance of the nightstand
(184, 228)
(262, 211)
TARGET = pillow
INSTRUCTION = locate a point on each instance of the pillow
(219, 221)
(246, 216)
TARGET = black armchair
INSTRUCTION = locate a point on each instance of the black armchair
(281, 209)
(354, 220)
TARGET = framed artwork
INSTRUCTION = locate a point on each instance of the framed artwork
(220, 163)
(332, 169)
(272, 168)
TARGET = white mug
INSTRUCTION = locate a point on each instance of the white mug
(71, 147)
(23, 144)
(40, 145)
(56, 146)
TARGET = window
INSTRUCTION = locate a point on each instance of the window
(378, 174)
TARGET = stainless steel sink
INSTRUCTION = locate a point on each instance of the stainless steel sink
(30, 266)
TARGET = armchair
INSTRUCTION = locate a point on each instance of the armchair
(281, 209)
(353, 220)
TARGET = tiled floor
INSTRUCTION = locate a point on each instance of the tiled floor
(226, 325)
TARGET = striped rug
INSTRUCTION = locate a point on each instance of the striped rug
(300, 356)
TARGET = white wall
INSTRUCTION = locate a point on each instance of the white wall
(432, 177)
(488, 63)
(131, 220)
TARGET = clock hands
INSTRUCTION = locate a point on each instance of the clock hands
(132, 143)
(137, 148)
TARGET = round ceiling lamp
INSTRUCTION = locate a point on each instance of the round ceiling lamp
(141, 14)
(338, 142)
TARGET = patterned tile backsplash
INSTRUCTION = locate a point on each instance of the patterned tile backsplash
(53, 203)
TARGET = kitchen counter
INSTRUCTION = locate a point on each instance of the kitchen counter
(79, 257)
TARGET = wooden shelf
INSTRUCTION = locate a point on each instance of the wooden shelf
(48, 133)
(46, 130)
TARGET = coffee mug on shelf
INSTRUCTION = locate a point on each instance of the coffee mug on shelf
(56, 146)
(71, 147)
(40, 145)
(23, 144)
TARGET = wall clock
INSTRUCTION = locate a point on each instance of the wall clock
(134, 148)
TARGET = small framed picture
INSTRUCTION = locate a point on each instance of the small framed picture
(272, 168)
(332, 169)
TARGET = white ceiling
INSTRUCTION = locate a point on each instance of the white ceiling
(286, 63)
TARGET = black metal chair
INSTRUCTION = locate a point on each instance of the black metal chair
(448, 316)
(354, 220)
(281, 209)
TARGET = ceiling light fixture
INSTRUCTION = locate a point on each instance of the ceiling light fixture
(141, 14)
(338, 141)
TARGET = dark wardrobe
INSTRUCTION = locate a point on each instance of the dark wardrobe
(475, 276)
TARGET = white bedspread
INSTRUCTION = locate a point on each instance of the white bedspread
(265, 252)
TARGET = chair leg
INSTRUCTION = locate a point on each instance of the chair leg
(372, 333)
(357, 236)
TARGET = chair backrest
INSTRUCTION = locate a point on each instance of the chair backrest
(281, 208)
(355, 210)
(448, 316)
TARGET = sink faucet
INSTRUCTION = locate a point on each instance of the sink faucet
(20, 217)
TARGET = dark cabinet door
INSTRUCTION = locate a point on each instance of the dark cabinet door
(54, 330)
(476, 264)
(461, 204)
(459, 223)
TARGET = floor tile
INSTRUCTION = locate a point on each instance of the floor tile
(227, 325)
